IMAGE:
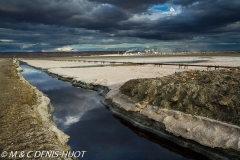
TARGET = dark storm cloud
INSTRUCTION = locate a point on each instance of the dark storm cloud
(184, 2)
(70, 13)
(100, 18)
(201, 18)
(204, 17)
(36, 11)
(50, 24)
(132, 5)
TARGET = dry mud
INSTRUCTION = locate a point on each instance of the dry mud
(25, 117)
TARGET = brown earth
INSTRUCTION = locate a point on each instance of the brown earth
(21, 127)
(212, 94)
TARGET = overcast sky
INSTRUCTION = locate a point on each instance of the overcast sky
(86, 25)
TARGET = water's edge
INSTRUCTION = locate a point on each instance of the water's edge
(44, 108)
(144, 122)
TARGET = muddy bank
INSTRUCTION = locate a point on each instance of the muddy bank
(160, 125)
(155, 104)
(212, 94)
(25, 116)
(102, 90)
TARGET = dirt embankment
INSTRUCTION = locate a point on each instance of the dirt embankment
(212, 94)
(25, 123)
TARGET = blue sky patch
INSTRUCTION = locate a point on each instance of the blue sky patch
(162, 8)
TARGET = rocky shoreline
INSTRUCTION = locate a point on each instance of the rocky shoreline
(215, 139)
(28, 124)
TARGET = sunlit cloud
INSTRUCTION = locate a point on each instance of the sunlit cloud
(6, 40)
(65, 49)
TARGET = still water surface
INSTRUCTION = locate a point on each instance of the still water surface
(91, 127)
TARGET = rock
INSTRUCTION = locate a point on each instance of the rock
(234, 82)
(223, 103)
(63, 138)
(138, 105)
(20, 69)
(142, 105)
(174, 98)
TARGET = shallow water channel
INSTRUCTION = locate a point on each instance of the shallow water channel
(92, 128)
